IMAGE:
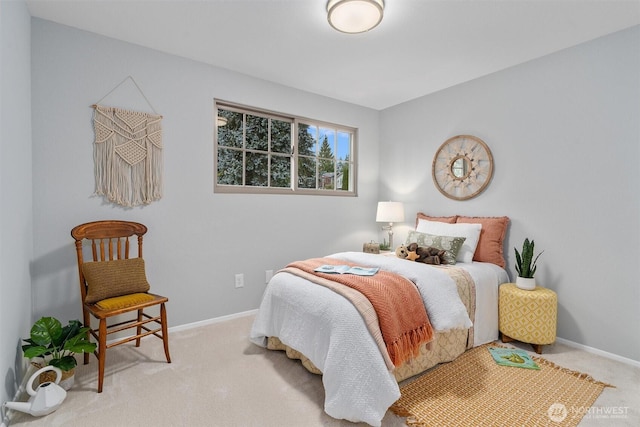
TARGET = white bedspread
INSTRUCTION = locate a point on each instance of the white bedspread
(358, 386)
(439, 292)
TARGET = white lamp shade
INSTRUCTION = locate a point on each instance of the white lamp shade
(390, 212)
(354, 16)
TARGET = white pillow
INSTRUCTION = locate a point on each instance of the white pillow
(471, 233)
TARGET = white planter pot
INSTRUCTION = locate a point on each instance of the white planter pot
(526, 283)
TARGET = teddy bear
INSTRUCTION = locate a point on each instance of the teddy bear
(409, 253)
(423, 254)
(401, 251)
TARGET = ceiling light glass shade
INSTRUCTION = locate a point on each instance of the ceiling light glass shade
(354, 16)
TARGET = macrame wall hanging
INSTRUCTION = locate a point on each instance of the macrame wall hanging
(127, 154)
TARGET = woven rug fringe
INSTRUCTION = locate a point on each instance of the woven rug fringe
(410, 419)
(580, 375)
(577, 374)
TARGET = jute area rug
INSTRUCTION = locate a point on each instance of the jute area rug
(473, 390)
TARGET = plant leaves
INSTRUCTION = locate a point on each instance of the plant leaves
(69, 331)
(80, 344)
(65, 363)
(46, 330)
(34, 351)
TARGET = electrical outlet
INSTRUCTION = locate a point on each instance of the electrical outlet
(268, 274)
(239, 280)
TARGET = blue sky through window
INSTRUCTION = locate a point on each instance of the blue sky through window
(341, 145)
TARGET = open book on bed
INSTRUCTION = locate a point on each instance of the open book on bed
(347, 269)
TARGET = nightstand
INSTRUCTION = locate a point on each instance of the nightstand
(528, 316)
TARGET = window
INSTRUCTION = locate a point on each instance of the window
(259, 151)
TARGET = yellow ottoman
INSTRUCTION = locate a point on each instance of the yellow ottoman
(528, 316)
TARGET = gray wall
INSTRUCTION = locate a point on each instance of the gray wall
(564, 131)
(197, 240)
(16, 243)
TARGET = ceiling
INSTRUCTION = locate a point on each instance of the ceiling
(420, 47)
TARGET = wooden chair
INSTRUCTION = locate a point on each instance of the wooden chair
(109, 242)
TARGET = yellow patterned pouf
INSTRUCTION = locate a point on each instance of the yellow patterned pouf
(528, 316)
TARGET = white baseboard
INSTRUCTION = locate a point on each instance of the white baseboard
(190, 325)
(212, 321)
(599, 352)
(7, 414)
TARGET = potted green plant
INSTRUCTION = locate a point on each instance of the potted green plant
(526, 265)
(56, 345)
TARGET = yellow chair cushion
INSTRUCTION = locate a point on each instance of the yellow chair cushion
(124, 301)
(107, 279)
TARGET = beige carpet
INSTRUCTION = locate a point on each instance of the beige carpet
(474, 390)
(218, 378)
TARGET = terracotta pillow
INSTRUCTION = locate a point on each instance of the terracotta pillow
(107, 279)
(491, 244)
(446, 219)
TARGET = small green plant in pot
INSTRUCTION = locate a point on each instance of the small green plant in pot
(56, 344)
(526, 265)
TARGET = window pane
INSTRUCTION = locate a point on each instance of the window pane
(327, 179)
(328, 141)
(280, 171)
(257, 133)
(229, 167)
(280, 136)
(307, 173)
(327, 164)
(230, 135)
(257, 169)
(344, 146)
(306, 140)
(344, 178)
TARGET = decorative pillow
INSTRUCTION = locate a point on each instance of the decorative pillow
(449, 244)
(447, 219)
(471, 233)
(491, 243)
(107, 279)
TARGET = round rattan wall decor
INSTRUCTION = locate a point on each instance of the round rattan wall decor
(462, 167)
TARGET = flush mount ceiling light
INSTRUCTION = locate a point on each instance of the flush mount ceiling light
(354, 16)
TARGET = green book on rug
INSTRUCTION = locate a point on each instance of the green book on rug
(512, 357)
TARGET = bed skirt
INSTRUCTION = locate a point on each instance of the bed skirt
(445, 346)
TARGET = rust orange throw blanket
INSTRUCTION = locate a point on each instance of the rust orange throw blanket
(403, 319)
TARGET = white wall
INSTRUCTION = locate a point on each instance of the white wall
(16, 245)
(197, 240)
(564, 131)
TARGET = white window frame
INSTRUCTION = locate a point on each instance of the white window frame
(295, 121)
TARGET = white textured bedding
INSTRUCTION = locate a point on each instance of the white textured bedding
(358, 385)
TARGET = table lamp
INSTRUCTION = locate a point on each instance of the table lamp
(390, 212)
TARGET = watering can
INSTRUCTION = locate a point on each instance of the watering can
(45, 399)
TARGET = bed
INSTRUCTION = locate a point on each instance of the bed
(328, 333)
